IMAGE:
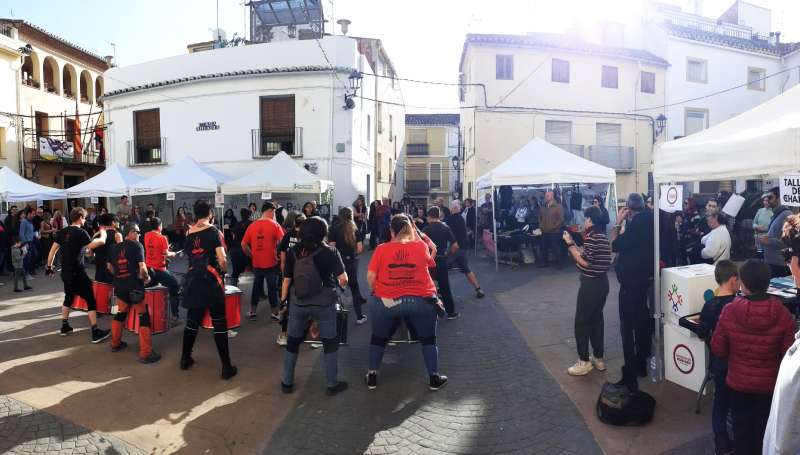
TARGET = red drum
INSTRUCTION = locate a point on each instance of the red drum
(103, 293)
(156, 299)
(233, 309)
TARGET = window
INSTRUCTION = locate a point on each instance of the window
(2, 142)
(369, 130)
(610, 77)
(469, 190)
(435, 175)
(379, 118)
(417, 142)
(277, 126)
(462, 89)
(609, 134)
(560, 71)
(391, 173)
(696, 120)
(558, 132)
(696, 70)
(379, 162)
(504, 69)
(755, 79)
(391, 129)
(42, 127)
(147, 145)
(648, 82)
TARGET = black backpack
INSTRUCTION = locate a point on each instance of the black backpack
(307, 280)
(618, 405)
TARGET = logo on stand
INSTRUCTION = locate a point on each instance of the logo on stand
(674, 298)
(683, 359)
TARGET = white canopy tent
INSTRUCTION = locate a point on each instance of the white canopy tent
(115, 181)
(281, 174)
(541, 163)
(760, 142)
(15, 188)
(185, 176)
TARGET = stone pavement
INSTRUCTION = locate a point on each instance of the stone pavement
(25, 430)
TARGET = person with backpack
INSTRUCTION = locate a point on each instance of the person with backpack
(315, 269)
(402, 289)
(292, 224)
(260, 242)
(348, 240)
(130, 277)
(204, 288)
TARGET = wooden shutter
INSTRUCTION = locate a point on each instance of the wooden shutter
(42, 127)
(277, 116)
(148, 129)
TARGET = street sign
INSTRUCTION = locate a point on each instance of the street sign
(266, 196)
(671, 199)
(170, 196)
(790, 190)
(95, 200)
(219, 200)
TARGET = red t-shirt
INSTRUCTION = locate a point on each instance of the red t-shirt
(263, 237)
(402, 270)
(156, 247)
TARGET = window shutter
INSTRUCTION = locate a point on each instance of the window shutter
(695, 121)
(609, 134)
(277, 116)
(148, 128)
(558, 132)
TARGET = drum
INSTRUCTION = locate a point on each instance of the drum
(103, 295)
(156, 299)
(233, 309)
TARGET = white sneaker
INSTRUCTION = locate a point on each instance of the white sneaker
(599, 364)
(580, 368)
(361, 320)
(281, 339)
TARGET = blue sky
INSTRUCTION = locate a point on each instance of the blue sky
(423, 38)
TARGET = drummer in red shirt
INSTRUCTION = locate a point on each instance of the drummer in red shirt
(260, 243)
(157, 252)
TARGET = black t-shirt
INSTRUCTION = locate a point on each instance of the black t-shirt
(37, 223)
(328, 262)
(442, 236)
(202, 245)
(289, 240)
(101, 253)
(347, 252)
(125, 259)
(459, 227)
(73, 241)
(238, 234)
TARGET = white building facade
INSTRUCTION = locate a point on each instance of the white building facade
(231, 107)
(10, 64)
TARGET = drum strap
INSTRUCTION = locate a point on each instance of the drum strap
(216, 275)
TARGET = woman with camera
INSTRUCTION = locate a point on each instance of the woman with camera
(402, 288)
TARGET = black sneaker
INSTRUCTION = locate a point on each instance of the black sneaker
(341, 386)
(252, 316)
(437, 381)
(27, 288)
(453, 315)
(276, 317)
(286, 388)
(17, 290)
(152, 358)
(186, 362)
(65, 330)
(479, 293)
(372, 380)
(229, 372)
(100, 335)
(122, 345)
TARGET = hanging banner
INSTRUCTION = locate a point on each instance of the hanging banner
(266, 196)
(219, 200)
(790, 190)
(95, 200)
(671, 199)
(53, 149)
(170, 196)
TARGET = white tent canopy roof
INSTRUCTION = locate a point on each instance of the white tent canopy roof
(185, 176)
(115, 181)
(540, 162)
(762, 141)
(15, 188)
(280, 174)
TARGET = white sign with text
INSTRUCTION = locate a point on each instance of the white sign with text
(790, 190)
(671, 198)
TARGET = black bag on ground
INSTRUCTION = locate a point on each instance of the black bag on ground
(618, 405)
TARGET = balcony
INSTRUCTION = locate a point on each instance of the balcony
(620, 158)
(87, 156)
(575, 149)
(31, 83)
(268, 144)
(147, 151)
(7, 30)
(423, 186)
(417, 150)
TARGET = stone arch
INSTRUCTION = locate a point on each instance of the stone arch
(51, 78)
(99, 86)
(69, 80)
(86, 87)
(32, 70)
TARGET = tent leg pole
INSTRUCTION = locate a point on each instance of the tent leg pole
(494, 228)
(658, 355)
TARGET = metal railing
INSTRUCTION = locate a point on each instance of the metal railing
(147, 151)
(31, 83)
(722, 29)
(621, 158)
(575, 149)
(417, 149)
(6, 29)
(87, 156)
(267, 145)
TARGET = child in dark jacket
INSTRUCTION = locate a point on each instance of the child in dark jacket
(726, 275)
(753, 334)
(18, 253)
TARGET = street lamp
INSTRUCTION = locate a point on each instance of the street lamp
(661, 122)
(355, 83)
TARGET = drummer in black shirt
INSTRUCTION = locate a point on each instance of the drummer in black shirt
(456, 223)
(75, 241)
(130, 276)
(446, 244)
(108, 223)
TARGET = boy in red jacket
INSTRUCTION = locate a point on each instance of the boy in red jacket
(753, 333)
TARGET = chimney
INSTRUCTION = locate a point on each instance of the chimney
(698, 7)
(109, 60)
(345, 24)
(777, 37)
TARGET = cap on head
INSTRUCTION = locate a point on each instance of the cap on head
(635, 202)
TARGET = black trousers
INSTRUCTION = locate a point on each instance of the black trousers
(193, 318)
(636, 327)
(553, 243)
(750, 413)
(80, 285)
(271, 277)
(589, 323)
(351, 268)
(441, 276)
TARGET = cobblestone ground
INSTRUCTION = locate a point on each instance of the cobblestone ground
(24, 430)
(500, 399)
